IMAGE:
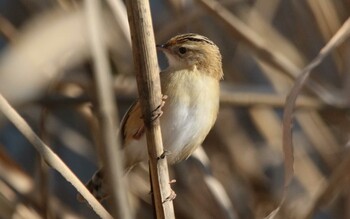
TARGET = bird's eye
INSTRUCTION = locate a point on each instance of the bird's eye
(182, 50)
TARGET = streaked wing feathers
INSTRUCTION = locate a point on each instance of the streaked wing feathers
(132, 126)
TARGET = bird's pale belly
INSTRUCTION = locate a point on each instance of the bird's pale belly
(184, 129)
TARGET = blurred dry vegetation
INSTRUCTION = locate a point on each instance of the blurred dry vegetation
(46, 73)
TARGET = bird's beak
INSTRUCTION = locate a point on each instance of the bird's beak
(160, 47)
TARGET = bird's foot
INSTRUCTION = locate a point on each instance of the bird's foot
(172, 195)
(158, 112)
(164, 154)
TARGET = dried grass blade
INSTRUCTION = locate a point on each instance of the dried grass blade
(50, 157)
(337, 39)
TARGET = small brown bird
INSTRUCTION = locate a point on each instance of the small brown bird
(191, 84)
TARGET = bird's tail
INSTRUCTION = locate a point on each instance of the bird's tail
(96, 185)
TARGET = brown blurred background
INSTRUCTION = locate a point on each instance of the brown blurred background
(46, 73)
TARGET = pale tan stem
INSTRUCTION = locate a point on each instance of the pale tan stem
(147, 74)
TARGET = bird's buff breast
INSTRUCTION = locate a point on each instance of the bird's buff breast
(189, 112)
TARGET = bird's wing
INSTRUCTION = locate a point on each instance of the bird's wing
(132, 126)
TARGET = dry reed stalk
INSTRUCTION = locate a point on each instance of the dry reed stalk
(50, 157)
(147, 75)
(107, 113)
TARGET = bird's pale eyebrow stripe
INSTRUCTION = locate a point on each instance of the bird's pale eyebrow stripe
(195, 38)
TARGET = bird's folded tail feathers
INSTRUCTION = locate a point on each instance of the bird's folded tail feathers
(96, 186)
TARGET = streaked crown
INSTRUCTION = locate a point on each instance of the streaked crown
(189, 50)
